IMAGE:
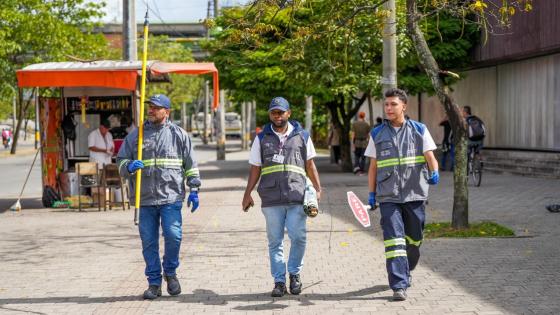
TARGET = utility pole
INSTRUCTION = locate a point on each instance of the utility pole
(206, 106)
(389, 79)
(129, 30)
(250, 115)
(184, 115)
(253, 121)
(208, 15)
(37, 119)
(308, 114)
(243, 124)
(14, 101)
(216, 8)
(221, 137)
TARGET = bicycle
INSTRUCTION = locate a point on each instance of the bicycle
(474, 165)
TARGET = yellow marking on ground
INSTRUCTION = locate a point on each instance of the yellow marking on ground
(343, 244)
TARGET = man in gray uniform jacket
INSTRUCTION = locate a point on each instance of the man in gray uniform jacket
(167, 161)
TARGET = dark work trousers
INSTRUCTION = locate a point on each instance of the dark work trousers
(360, 163)
(336, 152)
(403, 226)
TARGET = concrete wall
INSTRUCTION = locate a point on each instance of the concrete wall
(519, 103)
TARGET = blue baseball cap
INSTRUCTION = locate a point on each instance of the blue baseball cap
(160, 100)
(279, 103)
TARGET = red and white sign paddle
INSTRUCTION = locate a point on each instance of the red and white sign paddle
(359, 209)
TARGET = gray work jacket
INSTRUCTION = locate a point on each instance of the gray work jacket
(169, 160)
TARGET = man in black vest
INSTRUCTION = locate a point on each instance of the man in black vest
(282, 156)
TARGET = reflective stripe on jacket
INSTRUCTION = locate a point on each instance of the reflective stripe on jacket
(402, 172)
(283, 183)
(168, 159)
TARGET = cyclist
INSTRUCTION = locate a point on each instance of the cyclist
(476, 132)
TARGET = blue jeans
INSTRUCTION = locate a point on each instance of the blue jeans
(451, 153)
(293, 219)
(171, 221)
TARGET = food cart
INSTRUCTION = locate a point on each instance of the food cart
(91, 92)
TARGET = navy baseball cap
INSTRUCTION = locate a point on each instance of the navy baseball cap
(279, 103)
(160, 100)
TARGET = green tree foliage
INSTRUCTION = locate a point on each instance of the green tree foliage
(331, 50)
(183, 88)
(34, 31)
(450, 39)
(306, 48)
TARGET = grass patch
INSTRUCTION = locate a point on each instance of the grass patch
(479, 229)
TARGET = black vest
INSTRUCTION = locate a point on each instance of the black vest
(283, 183)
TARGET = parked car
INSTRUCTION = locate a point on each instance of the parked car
(197, 124)
(233, 124)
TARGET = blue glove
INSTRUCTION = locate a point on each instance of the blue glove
(434, 178)
(134, 166)
(193, 197)
(371, 200)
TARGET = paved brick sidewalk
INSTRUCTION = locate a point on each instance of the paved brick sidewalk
(63, 262)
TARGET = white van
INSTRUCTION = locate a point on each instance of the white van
(197, 124)
(233, 124)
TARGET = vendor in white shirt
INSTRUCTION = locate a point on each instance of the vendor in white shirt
(100, 144)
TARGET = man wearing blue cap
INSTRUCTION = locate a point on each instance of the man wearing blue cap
(167, 162)
(282, 156)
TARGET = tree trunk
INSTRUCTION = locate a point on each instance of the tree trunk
(460, 217)
(23, 107)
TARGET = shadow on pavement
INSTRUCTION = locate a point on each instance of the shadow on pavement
(209, 297)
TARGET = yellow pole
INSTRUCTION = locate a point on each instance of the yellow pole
(141, 120)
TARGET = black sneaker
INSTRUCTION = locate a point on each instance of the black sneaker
(173, 285)
(399, 295)
(295, 284)
(279, 289)
(152, 292)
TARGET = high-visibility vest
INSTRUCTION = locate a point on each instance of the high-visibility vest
(402, 172)
(283, 183)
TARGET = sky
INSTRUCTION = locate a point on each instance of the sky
(167, 11)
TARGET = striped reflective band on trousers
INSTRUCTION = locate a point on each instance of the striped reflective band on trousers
(412, 242)
(282, 168)
(399, 241)
(396, 252)
(419, 159)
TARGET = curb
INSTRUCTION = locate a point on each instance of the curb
(20, 152)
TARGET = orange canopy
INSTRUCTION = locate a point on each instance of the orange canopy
(106, 73)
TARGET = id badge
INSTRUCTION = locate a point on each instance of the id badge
(278, 158)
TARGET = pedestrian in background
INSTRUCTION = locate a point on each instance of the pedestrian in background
(402, 166)
(333, 141)
(282, 156)
(101, 145)
(447, 145)
(378, 121)
(167, 162)
(360, 135)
